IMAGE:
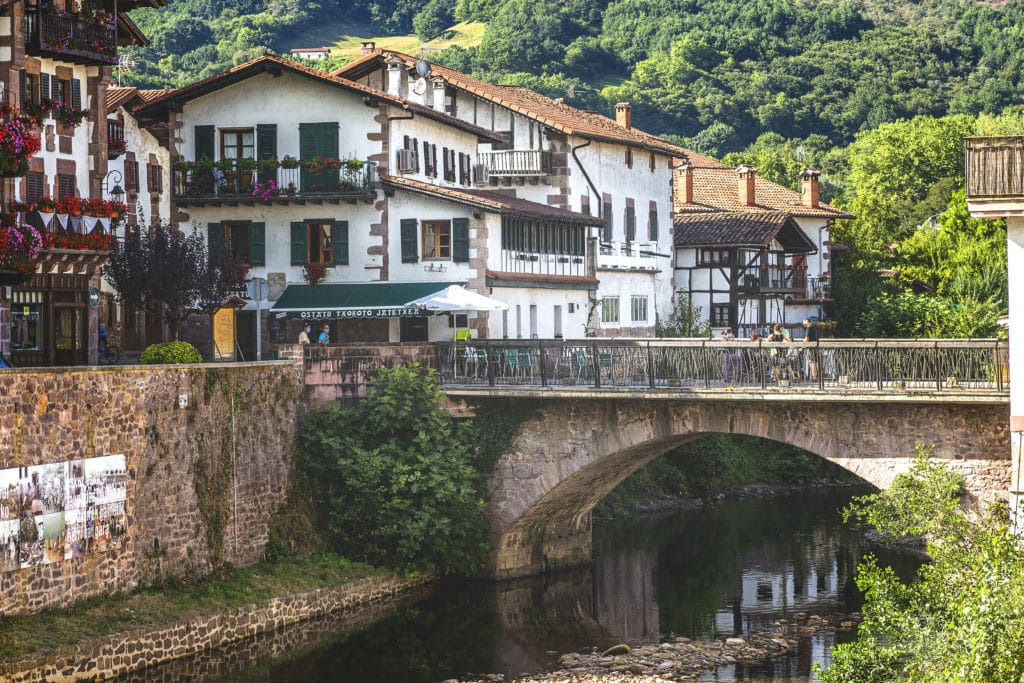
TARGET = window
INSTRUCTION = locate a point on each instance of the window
(62, 91)
(244, 240)
(464, 169)
(630, 223)
(609, 225)
(319, 243)
(26, 321)
(652, 225)
(714, 257)
(28, 88)
(34, 187)
(558, 321)
(154, 178)
(638, 306)
(65, 186)
(238, 143)
(629, 157)
(534, 237)
(429, 159)
(720, 315)
(653, 162)
(437, 240)
(237, 240)
(456, 320)
(610, 310)
(131, 175)
(449, 165)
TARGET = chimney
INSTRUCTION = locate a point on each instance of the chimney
(439, 93)
(748, 176)
(394, 77)
(686, 172)
(367, 48)
(624, 114)
(809, 188)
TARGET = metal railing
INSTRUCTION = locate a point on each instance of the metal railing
(240, 178)
(55, 33)
(994, 167)
(942, 365)
(516, 162)
(536, 263)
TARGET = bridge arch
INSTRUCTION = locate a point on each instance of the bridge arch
(573, 451)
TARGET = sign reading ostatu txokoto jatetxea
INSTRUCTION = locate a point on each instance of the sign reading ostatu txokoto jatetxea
(343, 313)
(61, 511)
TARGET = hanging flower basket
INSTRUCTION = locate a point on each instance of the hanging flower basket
(20, 243)
(18, 143)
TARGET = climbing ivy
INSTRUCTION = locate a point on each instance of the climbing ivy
(497, 424)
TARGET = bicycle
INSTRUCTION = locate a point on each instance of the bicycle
(109, 353)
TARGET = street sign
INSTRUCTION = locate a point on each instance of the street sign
(258, 289)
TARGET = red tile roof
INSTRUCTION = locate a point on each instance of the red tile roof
(552, 113)
(739, 229)
(715, 189)
(117, 96)
(487, 200)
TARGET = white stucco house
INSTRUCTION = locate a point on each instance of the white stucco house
(750, 253)
(306, 176)
(553, 154)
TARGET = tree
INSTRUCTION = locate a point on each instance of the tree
(687, 320)
(398, 481)
(163, 265)
(962, 618)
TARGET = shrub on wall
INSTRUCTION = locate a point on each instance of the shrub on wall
(397, 481)
(171, 352)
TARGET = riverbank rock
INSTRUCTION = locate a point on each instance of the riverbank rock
(685, 660)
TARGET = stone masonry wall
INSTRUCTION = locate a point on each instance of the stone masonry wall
(138, 651)
(203, 480)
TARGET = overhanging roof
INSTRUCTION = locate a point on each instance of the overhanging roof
(358, 300)
(741, 229)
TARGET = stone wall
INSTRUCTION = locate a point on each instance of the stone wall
(203, 480)
(340, 372)
(136, 652)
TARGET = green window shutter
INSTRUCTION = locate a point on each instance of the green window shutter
(266, 147)
(298, 243)
(460, 240)
(339, 243)
(258, 244)
(318, 140)
(410, 240)
(652, 226)
(76, 93)
(204, 142)
(630, 224)
(608, 225)
(215, 242)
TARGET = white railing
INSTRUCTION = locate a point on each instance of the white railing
(515, 162)
(627, 255)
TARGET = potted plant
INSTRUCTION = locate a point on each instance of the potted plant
(288, 161)
(201, 181)
(19, 245)
(268, 169)
(314, 273)
(246, 166)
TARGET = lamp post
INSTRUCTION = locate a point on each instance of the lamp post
(116, 193)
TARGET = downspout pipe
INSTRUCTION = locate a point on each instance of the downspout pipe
(590, 327)
(593, 188)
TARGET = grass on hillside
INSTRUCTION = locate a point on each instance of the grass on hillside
(160, 606)
(345, 38)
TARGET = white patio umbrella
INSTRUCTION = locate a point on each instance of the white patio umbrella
(458, 298)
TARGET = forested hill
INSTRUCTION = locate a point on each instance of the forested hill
(716, 73)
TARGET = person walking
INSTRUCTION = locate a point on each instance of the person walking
(811, 340)
(304, 335)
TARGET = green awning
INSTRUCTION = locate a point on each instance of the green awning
(362, 300)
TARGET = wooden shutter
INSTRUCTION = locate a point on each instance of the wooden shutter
(204, 142)
(215, 240)
(652, 226)
(460, 240)
(444, 153)
(318, 140)
(427, 164)
(298, 243)
(410, 240)
(44, 86)
(266, 147)
(608, 225)
(339, 242)
(630, 224)
(26, 89)
(258, 244)
(433, 158)
(76, 93)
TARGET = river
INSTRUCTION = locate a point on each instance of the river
(738, 566)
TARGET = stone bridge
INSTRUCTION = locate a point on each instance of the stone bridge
(579, 444)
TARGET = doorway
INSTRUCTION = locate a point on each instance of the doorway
(413, 329)
(70, 340)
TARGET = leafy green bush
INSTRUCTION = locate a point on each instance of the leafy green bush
(397, 482)
(961, 619)
(170, 352)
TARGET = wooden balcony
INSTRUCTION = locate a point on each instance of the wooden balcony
(774, 280)
(994, 173)
(516, 163)
(64, 36)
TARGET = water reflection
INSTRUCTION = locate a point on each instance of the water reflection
(736, 567)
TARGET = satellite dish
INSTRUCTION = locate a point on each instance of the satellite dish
(423, 67)
(419, 86)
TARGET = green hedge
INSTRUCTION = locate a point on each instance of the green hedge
(170, 352)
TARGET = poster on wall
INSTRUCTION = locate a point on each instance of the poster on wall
(59, 511)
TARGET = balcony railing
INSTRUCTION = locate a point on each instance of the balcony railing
(818, 289)
(627, 256)
(841, 366)
(994, 167)
(535, 263)
(230, 178)
(64, 36)
(516, 162)
(774, 280)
